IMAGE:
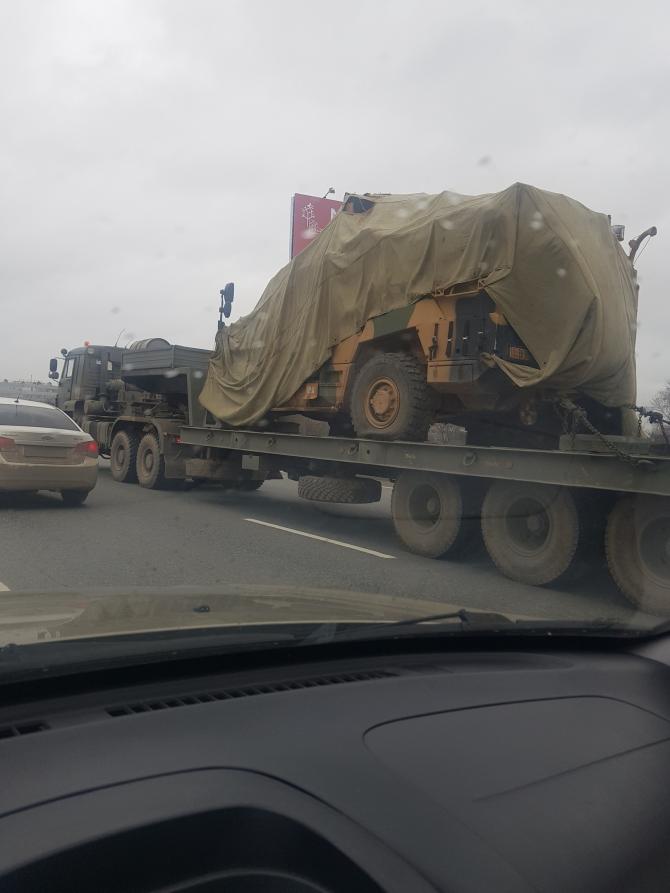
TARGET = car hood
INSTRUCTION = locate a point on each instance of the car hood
(29, 617)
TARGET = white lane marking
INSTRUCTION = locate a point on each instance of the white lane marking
(323, 539)
(4, 588)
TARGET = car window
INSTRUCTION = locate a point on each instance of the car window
(35, 417)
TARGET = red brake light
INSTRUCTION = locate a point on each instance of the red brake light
(87, 448)
(7, 443)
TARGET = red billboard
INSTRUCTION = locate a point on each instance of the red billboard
(309, 216)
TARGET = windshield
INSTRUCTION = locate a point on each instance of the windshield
(15, 414)
(365, 314)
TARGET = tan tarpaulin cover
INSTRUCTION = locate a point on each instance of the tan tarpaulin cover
(551, 265)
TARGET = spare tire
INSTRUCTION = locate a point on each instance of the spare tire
(341, 490)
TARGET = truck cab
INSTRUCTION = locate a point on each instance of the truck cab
(86, 372)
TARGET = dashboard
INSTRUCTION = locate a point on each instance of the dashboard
(506, 769)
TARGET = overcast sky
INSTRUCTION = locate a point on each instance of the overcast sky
(149, 150)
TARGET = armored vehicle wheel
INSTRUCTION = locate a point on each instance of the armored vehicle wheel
(123, 456)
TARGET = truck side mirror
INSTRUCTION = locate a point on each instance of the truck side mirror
(53, 365)
(227, 294)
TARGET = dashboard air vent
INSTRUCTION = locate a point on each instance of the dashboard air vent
(25, 728)
(245, 692)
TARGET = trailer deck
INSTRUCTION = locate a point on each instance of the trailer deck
(639, 473)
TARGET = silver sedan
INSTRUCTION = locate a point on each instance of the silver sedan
(41, 448)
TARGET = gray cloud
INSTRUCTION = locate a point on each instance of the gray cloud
(150, 149)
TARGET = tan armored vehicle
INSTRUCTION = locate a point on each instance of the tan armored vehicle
(486, 311)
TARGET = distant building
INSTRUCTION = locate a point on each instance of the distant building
(29, 390)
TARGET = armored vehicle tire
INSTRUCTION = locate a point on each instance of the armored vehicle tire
(391, 400)
(432, 515)
(637, 545)
(531, 531)
(150, 463)
(123, 457)
(351, 491)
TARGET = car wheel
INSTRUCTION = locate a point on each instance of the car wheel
(74, 497)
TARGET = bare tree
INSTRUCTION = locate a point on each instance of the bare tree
(661, 400)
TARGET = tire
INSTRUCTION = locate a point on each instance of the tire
(123, 457)
(431, 515)
(637, 546)
(74, 497)
(391, 400)
(150, 464)
(351, 491)
(531, 531)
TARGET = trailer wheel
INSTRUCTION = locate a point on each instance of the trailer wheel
(531, 531)
(123, 457)
(431, 514)
(349, 491)
(150, 463)
(391, 399)
(637, 545)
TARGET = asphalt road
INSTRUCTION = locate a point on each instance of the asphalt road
(128, 537)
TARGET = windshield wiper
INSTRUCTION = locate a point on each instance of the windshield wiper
(464, 621)
(341, 632)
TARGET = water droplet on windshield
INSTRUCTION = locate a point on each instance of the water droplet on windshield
(484, 160)
(402, 213)
(561, 272)
(115, 310)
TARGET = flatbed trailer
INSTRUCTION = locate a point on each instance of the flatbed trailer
(542, 513)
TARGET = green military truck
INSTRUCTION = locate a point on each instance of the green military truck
(133, 401)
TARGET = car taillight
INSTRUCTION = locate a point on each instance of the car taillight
(7, 443)
(87, 448)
